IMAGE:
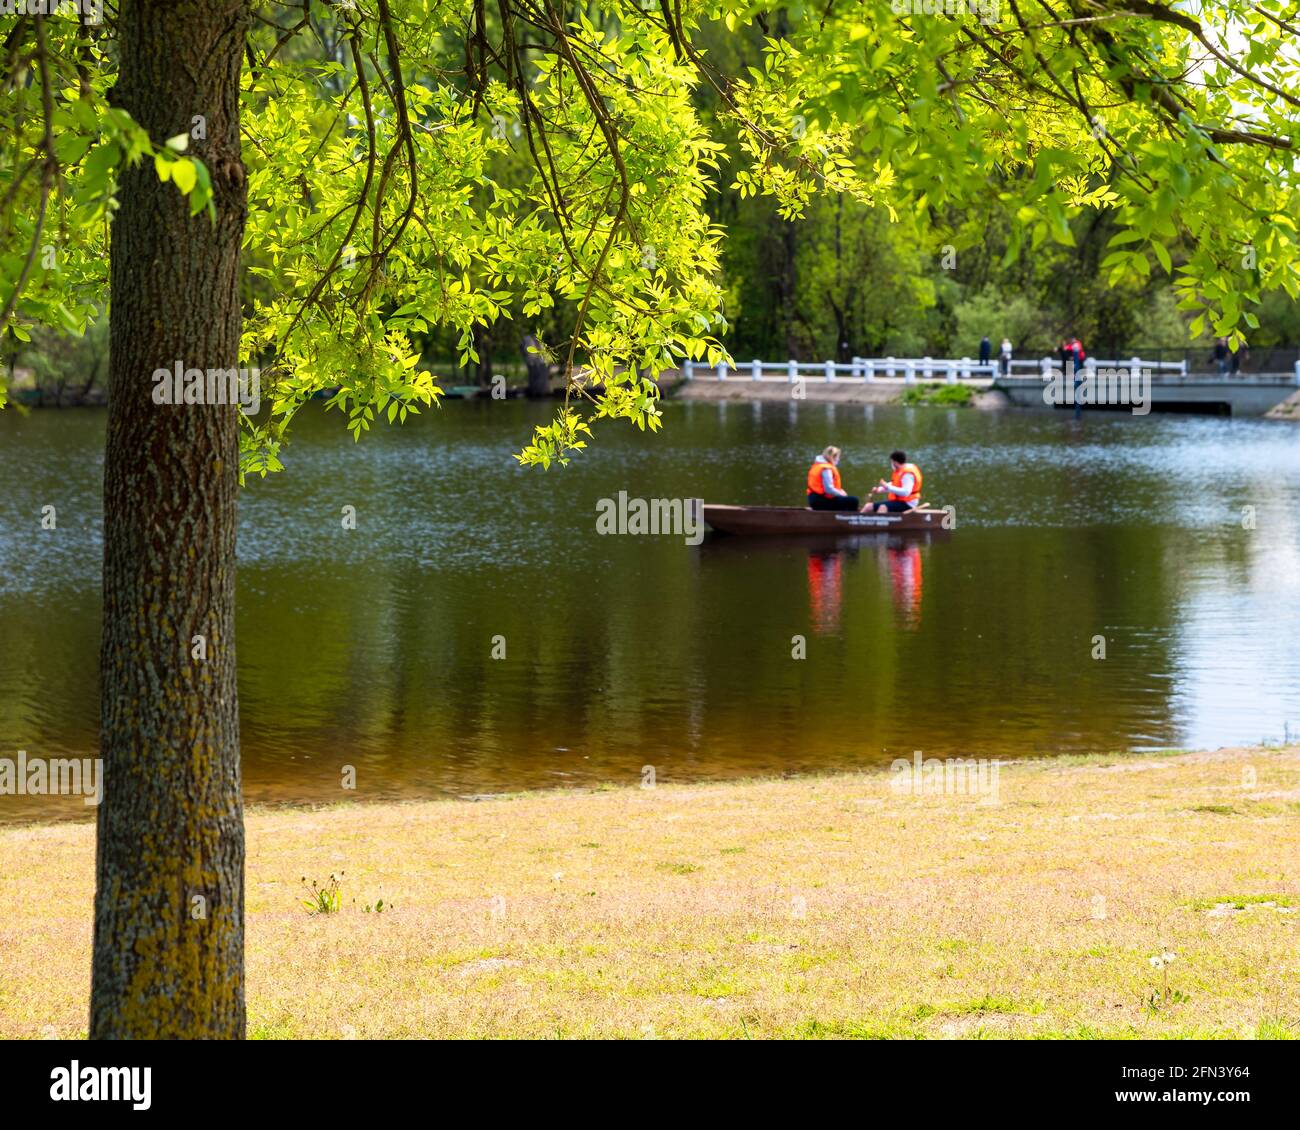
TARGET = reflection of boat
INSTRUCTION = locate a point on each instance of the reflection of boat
(829, 559)
(796, 520)
(774, 545)
(830, 562)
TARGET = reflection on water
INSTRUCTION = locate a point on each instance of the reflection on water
(906, 577)
(373, 647)
(899, 557)
(825, 588)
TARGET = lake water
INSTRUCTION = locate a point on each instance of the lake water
(374, 647)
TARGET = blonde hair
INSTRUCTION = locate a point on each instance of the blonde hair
(831, 453)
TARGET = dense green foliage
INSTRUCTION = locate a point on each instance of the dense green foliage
(419, 172)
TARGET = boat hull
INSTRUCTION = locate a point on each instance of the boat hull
(798, 520)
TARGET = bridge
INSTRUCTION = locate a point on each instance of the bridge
(1172, 387)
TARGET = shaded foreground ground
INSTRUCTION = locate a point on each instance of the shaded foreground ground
(827, 906)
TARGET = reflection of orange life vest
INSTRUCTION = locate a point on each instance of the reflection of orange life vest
(897, 480)
(905, 572)
(824, 586)
(815, 476)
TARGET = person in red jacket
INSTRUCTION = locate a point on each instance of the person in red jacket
(1072, 356)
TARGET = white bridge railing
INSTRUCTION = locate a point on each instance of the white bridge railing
(1046, 365)
(859, 369)
(908, 369)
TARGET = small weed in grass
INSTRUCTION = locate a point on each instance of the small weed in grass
(1164, 996)
(1217, 809)
(326, 898)
(678, 868)
(323, 899)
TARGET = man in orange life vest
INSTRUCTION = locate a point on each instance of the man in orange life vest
(903, 491)
(824, 489)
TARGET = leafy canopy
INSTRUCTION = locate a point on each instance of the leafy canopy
(416, 164)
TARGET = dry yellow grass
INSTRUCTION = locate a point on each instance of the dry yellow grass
(807, 907)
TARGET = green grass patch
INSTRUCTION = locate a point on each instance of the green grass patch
(718, 986)
(851, 1030)
(281, 1031)
(678, 868)
(989, 1004)
(938, 395)
(1240, 902)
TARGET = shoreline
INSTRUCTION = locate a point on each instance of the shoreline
(85, 815)
(827, 905)
(740, 390)
(925, 393)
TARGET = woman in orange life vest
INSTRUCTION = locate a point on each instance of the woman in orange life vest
(903, 490)
(824, 489)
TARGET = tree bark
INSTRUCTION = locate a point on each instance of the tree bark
(483, 347)
(539, 369)
(789, 287)
(169, 899)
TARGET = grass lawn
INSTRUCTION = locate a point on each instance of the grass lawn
(812, 907)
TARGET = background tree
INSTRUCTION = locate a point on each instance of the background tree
(68, 368)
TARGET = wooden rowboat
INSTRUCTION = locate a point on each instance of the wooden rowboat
(799, 520)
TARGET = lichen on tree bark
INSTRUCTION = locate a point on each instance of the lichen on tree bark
(169, 900)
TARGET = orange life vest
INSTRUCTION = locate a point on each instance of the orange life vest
(815, 476)
(897, 480)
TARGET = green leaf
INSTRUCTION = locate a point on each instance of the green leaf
(184, 175)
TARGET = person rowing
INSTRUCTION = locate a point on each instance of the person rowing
(903, 491)
(824, 489)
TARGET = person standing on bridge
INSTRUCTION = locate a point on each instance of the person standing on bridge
(1004, 356)
(986, 349)
(903, 491)
(824, 489)
(1220, 354)
(1067, 358)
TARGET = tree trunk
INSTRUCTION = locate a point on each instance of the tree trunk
(83, 397)
(539, 369)
(169, 898)
(789, 288)
(483, 347)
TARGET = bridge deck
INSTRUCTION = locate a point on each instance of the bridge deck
(1246, 394)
